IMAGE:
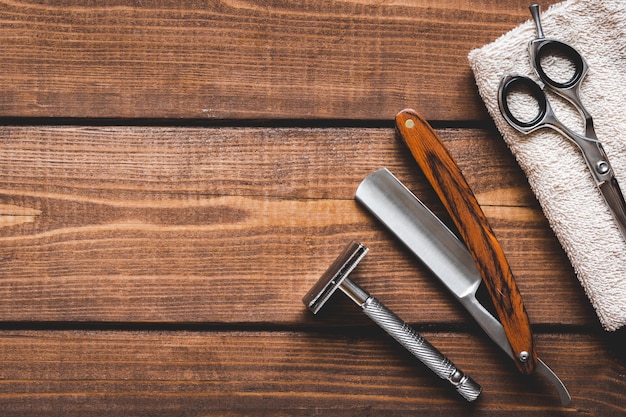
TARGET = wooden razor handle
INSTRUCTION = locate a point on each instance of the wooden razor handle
(448, 182)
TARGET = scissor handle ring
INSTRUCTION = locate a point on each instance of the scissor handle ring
(536, 92)
(572, 54)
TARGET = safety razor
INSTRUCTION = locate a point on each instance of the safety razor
(336, 277)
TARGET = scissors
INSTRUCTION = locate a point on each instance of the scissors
(589, 145)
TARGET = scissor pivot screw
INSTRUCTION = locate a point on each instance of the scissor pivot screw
(602, 167)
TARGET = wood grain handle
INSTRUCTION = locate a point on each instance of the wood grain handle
(450, 185)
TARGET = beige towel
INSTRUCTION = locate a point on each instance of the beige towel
(554, 166)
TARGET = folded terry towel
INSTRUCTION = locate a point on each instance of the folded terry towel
(554, 166)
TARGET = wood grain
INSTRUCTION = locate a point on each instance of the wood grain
(138, 163)
(71, 373)
(245, 59)
(131, 224)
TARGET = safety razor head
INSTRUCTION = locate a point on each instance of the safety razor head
(334, 276)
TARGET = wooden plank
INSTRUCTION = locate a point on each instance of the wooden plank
(71, 373)
(138, 224)
(237, 60)
(122, 165)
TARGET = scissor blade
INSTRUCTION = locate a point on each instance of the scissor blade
(440, 250)
(615, 199)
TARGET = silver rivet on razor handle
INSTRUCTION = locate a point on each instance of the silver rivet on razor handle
(336, 277)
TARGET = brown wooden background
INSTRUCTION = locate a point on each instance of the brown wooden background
(175, 175)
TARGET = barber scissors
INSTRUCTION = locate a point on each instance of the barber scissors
(589, 145)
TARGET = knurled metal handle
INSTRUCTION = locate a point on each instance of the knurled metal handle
(421, 348)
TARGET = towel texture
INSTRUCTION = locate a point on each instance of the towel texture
(554, 166)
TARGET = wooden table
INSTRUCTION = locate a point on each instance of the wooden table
(175, 175)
